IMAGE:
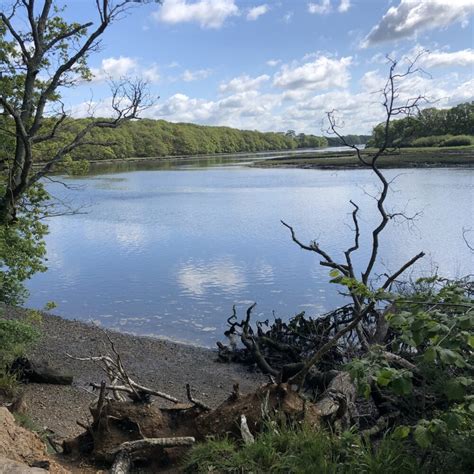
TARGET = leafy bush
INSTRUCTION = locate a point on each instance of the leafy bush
(430, 141)
(458, 140)
(22, 248)
(442, 140)
(431, 383)
(15, 337)
(302, 450)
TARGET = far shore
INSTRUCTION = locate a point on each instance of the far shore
(324, 158)
(403, 158)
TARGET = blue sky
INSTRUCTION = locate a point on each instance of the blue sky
(280, 64)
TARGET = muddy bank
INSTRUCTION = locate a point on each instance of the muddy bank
(161, 364)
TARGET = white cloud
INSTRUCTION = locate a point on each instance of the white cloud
(273, 62)
(322, 8)
(299, 93)
(243, 83)
(207, 13)
(189, 76)
(344, 6)
(123, 66)
(464, 57)
(322, 73)
(114, 68)
(258, 11)
(413, 16)
(151, 74)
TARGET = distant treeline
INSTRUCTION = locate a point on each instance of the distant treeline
(430, 127)
(155, 138)
(349, 139)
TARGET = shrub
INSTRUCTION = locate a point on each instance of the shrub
(430, 141)
(302, 450)
(15, 336)
(442, 140)
(458, 140)
(432, 330)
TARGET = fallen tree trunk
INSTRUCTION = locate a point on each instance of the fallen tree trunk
(132, 450)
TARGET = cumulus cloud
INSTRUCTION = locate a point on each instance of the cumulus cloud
(273, 62)
(123, 66)
(322, 73)
(190, 76)
(464, 57)
(151, 74)
(322, 8)
(299, 93)
(258, 11)
(243, 83)
(413, 16)
(114, 68)
(344, 6)
(207, 13)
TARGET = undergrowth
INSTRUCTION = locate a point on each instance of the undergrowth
(301, 450)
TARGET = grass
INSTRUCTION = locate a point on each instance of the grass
(301, 450)
(406, 157)
(8, 384)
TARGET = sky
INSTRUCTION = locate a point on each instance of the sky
(276, 65)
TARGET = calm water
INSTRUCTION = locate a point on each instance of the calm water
(167, 252)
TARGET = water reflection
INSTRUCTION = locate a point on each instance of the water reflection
(221, 274)
(169, 251)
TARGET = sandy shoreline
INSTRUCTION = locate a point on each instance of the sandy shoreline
(160, 364)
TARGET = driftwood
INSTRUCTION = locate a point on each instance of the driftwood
(120, 382)
(129, 451)
(33, 371)
(279, 348)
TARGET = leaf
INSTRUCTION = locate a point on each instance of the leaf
(448, 356)
(402, 386)
(401, 432)
(384, 377)
(454, 390)
(422, 436)
(334, 273)
(430, 354)
(452, 420)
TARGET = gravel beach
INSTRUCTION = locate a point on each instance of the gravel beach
(159, 364)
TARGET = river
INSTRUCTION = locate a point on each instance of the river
(167, 250)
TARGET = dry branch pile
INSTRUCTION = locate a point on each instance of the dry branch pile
(127, 428)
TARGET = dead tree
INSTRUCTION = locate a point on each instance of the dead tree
(43, 54)
(310, 359)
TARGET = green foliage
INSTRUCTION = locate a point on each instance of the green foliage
(430, 127)
(22, 248)
(433, 333)
(350, 140)
(443, 140)
(155, 138)
(458, 140)
(15, 337)
(302, 450)
(8, 384)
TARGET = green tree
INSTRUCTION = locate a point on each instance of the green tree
(40, 53)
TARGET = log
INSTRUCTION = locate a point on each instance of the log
(128, 451)
(30, 371)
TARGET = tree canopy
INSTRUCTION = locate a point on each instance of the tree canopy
(429, 122)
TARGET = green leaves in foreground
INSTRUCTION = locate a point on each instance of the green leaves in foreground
(302, 450)
(22, 249)
(432, 332)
